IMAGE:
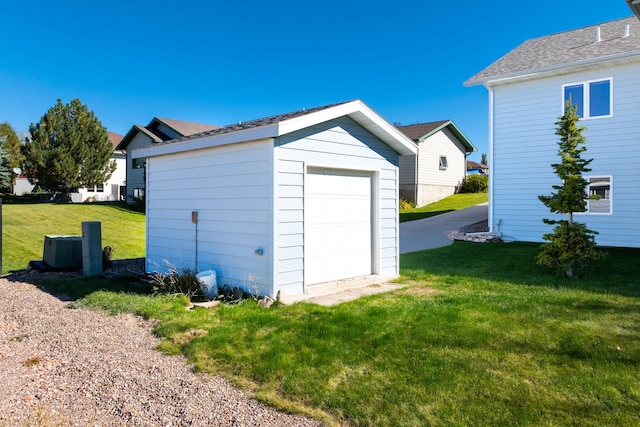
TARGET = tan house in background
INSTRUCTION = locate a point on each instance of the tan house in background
(440, 165)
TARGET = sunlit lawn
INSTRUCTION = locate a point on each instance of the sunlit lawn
(448, 204)
(480, 336)
(25, 225)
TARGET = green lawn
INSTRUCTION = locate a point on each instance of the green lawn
(480, 336)
(448, 204)
(25, 225)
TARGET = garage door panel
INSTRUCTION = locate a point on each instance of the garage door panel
(338, 225)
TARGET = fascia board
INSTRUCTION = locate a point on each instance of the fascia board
(126, 140)
(357, 110)
(360, 113)
(207, 141)
(456, 132)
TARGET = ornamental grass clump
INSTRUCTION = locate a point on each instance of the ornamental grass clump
(176, 282)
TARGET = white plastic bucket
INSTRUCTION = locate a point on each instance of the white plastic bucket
(208, 284)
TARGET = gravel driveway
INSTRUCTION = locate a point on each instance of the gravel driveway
(88, 369)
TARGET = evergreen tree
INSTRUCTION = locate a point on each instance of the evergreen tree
(6, 184)
(484, 159)
(69, 149)
(11, 143)
(572, 245)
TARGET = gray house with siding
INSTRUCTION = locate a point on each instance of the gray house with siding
(436, 171)
(292, 203)
(598, 68)
(158, 130)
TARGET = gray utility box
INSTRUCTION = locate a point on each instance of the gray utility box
(63, 251)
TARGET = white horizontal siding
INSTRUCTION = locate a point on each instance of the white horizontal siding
(338, 144)
(118, 178)
(442, 143)
(525, 146)
(408, 170)
(389, 214)
(231, 189)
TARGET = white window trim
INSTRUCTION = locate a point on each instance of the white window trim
(610, 196)
(586, 114)
(446, 161)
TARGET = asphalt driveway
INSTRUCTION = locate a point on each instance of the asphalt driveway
(430, 233)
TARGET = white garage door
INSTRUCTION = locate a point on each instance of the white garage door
(337, 225)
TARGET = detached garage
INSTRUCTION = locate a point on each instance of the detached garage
(294, 202)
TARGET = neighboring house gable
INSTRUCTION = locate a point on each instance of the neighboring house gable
(158, 130)
(477, 168)
(597, 67)
(634, 5)
(293, 203)
(438, 168)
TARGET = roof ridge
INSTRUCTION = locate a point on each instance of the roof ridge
(582, 28)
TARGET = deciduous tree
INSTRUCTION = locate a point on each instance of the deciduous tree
(11, 143)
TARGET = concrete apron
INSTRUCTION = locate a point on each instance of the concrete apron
(337, 292)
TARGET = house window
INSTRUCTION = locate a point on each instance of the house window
(138, 194)
(443, 163)
(138, 163)
(599, 190)
(593, 98)
(100, 188)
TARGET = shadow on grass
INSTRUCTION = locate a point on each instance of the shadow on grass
(412, 216)
(515, 263)
(72, 286)
(9, 199)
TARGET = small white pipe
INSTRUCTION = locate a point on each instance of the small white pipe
(598, 39)
(626, 31)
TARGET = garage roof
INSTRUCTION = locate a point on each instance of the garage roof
(282, 124)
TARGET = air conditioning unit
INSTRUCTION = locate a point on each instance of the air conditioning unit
(63, 251)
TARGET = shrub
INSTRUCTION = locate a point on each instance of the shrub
(476, 183)
(107, 256)
(405, 204)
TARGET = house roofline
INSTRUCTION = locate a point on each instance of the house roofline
(449, 124)
(555, 70)
(356, 110)
(131, 134)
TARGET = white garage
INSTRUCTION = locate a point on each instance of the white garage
(291, 202)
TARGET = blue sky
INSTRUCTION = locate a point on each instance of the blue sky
(223, 62)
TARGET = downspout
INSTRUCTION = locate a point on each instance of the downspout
(415, 177)
(491, 164)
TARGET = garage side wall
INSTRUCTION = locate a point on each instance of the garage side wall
(340, 144)
(230, 190)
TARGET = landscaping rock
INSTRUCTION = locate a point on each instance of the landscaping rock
(265, 302)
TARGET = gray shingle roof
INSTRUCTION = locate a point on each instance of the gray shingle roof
(417, 131)
(186, 128)
(155, 135)
(565, 49)
(255, 123)
(421, 131)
